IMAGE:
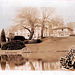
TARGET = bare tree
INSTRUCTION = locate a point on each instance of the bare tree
(46, 16)
(27, 17)
(57, 21)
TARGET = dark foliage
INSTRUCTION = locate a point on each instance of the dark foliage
(0, 45)
(0, 38)
(32, 41)
(19, 38)
(3, 65)
(0, 58)
(25, 41)
(13, 45)
(4, 57)
(39, 41)
(3, 38)
(68, 61)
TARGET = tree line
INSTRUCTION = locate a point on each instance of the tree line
(32, 16)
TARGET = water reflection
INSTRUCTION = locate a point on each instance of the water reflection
(18, 62)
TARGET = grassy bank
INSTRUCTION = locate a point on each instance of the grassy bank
(51, 49)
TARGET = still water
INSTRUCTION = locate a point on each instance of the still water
(18, 62)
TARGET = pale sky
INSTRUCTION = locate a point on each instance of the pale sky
(9, 9)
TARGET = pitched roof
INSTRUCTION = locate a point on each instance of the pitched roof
(62, 28)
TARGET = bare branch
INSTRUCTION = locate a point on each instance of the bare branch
(27, 29)
(57, 21)
(28, 17)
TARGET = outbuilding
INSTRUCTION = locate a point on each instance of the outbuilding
(62, 31)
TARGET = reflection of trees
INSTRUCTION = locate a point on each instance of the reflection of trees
(33, 64)
(3, 65)
(16, 59)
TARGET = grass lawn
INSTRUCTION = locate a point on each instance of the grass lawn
(51, 49)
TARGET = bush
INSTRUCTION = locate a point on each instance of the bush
(39, 41)
(68, 61)
(32, 41)
(19, 38)
(13, 45)
(0, 45)
(25, 41)
(3, 38)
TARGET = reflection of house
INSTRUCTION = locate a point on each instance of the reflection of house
(62, 31)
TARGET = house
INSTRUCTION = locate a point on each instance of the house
(62, 31)
(37, 32)
(18, 30)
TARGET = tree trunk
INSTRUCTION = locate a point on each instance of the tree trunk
(32, 32)
(42, 30)
(42, 33)
(27, 28)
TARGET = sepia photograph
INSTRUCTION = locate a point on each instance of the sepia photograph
(37, 35)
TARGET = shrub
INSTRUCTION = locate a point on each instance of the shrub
(19, 38)
(0, 45)
(3, 38)
(25, 41)
(13, 45)
(39, 41)
(68, 61)
(32, 41)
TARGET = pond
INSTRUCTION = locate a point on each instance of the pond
(20, 63)
(26, 59)
(29, 61)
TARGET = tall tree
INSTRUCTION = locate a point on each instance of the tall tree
(3, 38)
(46, 16)
(27, 17)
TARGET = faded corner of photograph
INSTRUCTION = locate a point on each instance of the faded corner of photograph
(37, 35)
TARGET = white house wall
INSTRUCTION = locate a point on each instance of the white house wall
(60, 33)
(25, 32)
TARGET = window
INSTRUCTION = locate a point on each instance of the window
(62, 29)
(58, 30)
(65, 29)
